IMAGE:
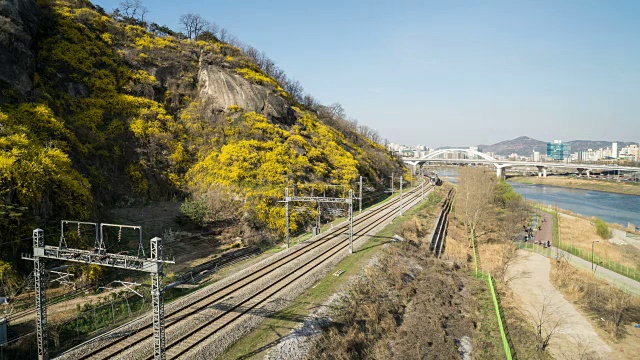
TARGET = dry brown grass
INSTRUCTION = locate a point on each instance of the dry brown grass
(492, 252)
(457, 247)
(581, 233)
(611, 311)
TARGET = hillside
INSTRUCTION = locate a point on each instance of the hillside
(522, 145)
(97, 112)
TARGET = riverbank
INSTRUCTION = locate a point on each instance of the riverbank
(585, 184)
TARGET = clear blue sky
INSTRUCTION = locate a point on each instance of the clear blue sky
(451, 72)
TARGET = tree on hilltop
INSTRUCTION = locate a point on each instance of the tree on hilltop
(193, 24)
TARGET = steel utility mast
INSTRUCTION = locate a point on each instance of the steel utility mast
(319, 199)
(98, 256)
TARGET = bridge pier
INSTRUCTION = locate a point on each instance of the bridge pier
(500, 173)
(542, 171)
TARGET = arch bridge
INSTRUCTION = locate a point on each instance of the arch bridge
(474, 157)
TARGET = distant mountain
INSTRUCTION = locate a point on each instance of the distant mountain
(525, 146)
(522, 145)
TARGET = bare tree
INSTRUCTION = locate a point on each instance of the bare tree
(252, 53)
(515, 216)
(223, 34)
(192, 24)
(508, 258)
(474, 196)
(547, 319)
(337, 111)
(578, 348)
(294, 89)
(143, 11)
(214, 28)
(267, 65)
(279, 75)
(129, 8)
(617, 304)
(309, 101)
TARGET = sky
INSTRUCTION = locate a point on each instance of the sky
(454, 73)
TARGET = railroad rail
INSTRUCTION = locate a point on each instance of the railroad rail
(440, 230)
(119, 342)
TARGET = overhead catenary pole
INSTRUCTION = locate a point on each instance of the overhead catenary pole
(401, 181)
(98, 257)
(411, 175)
(351, 223)
(422, 185)
(360, 196)
(41, 300)
(392, 183)
(286, 207)
(318, 220)
(157, 299)
(315, 199)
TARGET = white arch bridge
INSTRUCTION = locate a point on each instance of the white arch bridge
(477, 157)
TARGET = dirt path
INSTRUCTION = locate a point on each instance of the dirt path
(575, 337)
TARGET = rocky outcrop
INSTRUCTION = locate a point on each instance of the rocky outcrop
(220, 88)
(18, 23)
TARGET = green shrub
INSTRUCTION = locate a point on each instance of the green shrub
(603, 229)
(195, 210)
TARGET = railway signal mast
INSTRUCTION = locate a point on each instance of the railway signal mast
(98, 256)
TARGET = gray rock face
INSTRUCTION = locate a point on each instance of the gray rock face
(221, 89)
(18, 22)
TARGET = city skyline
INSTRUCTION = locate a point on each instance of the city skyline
(554, 151)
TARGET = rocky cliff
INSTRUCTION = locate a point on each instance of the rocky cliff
(18, 23)
(221, 89)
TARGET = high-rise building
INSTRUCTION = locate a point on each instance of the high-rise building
(536, 156)
(558, 151)
(614, 150)
(634, 151)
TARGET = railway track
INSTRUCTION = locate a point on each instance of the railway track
(120, 342)
(440, 230)
(183, 345)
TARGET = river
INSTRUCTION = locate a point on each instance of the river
(610, 207)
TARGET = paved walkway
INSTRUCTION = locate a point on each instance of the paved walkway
(546, 234)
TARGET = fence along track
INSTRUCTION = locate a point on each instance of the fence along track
(209, 328)
(440, 230)
(124, 340)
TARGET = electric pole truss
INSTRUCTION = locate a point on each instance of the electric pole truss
(320, 199)
(98, 256)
